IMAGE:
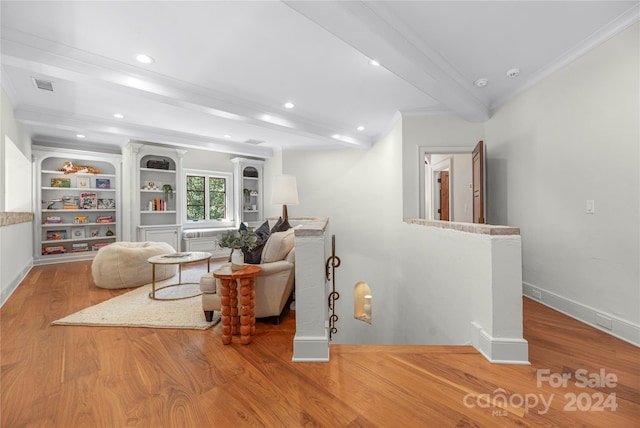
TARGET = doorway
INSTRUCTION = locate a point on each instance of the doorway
(466, 183)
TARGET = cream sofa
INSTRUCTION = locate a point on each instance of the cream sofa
(274, 284)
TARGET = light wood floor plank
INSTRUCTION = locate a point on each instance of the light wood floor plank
(75, 376)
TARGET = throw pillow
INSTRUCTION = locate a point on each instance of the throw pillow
(254, 256)
(278, 246)
(281, 225)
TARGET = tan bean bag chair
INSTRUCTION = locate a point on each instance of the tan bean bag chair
(125, 265)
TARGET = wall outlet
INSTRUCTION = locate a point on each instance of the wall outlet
(605, 322)
(536, 293)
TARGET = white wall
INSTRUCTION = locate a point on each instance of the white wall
(16, 241)
(272, 167)
(360, 192)
(426, 283)
(573, 137)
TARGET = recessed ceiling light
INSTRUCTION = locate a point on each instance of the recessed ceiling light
(360, 128)
(374, 63)
(118, 116)
(79, 135)
(289, 105)
(227, 136)
(481, 82)
(145, 59)
(513, 72)
(336, 136)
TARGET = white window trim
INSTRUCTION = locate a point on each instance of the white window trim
(229, 221)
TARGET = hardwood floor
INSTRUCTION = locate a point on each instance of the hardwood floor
(73, 376)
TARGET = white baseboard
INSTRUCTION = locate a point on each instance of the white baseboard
(499, 350)
(13, 284)
(310, 349)
(610, 324)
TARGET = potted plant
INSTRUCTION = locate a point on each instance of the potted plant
(168, 191)
(238, 240)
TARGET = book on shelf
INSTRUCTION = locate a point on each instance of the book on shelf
(106, 204)
(54, 235)
(71, 207)
(79, 247)
(58, 249)
(104, 219)
(99, 245)
(89, 201)
(103, 183)
(60, 182)
(53, 219)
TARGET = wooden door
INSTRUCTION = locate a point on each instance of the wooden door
(478, 183)
(444, 195)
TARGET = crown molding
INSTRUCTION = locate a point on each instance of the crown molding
(615, 27)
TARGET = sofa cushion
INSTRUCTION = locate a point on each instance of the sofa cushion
(278, 246)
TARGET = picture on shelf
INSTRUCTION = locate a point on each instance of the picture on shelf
(89, 201)
(84, 182)
(77, 233)
(103, 183)
(95, 232)
(60, 182)
(55, 235)
(106, 204)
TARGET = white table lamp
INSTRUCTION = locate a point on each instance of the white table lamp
(285, 192)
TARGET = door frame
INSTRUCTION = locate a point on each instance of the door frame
(423, 151)
(445, 165)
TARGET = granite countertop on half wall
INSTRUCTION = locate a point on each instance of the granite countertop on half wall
(9, 218)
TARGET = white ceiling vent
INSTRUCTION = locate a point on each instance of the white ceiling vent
(43, 84)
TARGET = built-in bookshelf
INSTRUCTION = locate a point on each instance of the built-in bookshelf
(157, 213)
(77, 203)
(249, 189)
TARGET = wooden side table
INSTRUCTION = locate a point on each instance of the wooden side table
(229, 280)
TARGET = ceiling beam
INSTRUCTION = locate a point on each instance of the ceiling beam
(373, 30)
(63, 62)
(85, 124)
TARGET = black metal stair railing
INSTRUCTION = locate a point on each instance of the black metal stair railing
(330, 268)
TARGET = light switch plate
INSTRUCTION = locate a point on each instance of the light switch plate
(591, 206)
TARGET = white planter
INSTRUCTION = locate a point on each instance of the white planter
(237, 259)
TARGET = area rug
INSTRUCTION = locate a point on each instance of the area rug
(136, 309)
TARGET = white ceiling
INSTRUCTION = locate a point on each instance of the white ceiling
(227, 67)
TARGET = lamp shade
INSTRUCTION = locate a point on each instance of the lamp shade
(285, 190)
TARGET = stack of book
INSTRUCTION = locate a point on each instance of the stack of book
(53, 220)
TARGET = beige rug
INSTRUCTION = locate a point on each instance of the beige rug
(136, 309)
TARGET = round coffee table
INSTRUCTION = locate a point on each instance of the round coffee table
(176, 259)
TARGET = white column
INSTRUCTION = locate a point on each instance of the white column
(311, 342)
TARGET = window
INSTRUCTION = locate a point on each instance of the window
(208, 196)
